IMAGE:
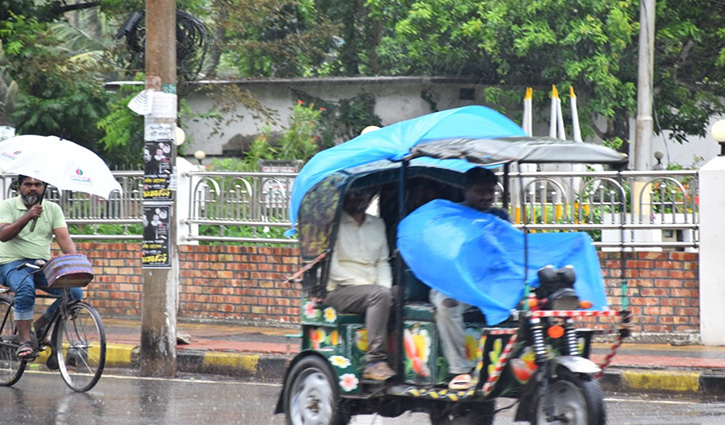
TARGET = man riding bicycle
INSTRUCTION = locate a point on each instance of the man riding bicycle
(27, 226)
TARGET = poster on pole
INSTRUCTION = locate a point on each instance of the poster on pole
(156, 236)
(158, 170)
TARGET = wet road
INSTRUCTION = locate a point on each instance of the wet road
(43, 398)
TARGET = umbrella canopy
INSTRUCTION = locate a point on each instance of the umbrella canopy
(395, 141)
(62, 163)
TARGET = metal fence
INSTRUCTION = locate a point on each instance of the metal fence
(635, 210)
(632, 209)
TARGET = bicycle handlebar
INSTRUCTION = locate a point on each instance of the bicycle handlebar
(37, 265)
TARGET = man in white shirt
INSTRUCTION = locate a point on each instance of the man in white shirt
(360, 278)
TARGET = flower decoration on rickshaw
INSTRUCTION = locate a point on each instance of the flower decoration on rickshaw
(330, 315)
(361, 339)
(494, 354)
(320, 338)
(471, 341)
(524, 366)
(340, 361)
(417, 350)
(349, 382)
(310, 310)
(317, 337)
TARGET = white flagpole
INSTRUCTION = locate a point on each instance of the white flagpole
(528, 112)
(561, 133)
(575, 116)
(552, 117)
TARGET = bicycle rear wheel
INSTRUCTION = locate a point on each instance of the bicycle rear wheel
(11, 367)
(80, 346)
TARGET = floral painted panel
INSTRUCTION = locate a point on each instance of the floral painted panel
(421, 353)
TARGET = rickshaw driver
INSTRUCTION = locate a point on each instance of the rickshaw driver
(478, 193)
(361, 278)
(18, 245)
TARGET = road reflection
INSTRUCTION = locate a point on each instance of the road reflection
(43, 398)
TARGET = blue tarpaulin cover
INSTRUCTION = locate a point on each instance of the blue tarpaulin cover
(395, 141)
(478, 258)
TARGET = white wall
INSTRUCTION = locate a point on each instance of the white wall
(395, 101)
(693, 154)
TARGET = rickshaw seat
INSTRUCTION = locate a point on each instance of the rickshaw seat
(415, 290)
(416, 305)
(419, 311)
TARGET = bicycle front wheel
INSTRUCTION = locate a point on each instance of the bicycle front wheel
(80, 346)
(11, 367)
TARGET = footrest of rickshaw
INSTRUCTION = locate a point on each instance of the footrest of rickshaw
(371, 385)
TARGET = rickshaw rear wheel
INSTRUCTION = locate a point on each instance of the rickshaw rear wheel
(577, 400)
(481, 413)
(312, 394)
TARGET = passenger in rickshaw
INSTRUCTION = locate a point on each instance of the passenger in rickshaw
(360, 278)
(478, 193)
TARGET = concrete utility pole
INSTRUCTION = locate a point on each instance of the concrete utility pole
(645, 124)
(160, 263)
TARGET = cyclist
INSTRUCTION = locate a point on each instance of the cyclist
(27, 226)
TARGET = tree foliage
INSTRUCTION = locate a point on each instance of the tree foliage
(590, 45)
(58, 94)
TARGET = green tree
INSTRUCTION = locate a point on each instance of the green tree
(588, 44)
(267, 38)
(58, 93)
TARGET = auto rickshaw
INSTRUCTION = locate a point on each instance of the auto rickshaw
(527, 348)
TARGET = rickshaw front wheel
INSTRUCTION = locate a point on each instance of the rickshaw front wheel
(576, 399)
(312, 395)
(482, 413)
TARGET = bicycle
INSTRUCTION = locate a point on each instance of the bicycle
(77, 338)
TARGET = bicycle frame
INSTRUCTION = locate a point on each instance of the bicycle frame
(77, 335)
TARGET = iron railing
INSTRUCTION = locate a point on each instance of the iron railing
(632, 209)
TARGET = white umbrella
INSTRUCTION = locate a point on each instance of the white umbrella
(60, 162)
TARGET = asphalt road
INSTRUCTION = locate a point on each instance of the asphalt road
(42, 398)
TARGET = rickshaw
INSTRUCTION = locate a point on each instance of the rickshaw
(526, 344)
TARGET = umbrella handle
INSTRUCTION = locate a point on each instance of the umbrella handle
(32, 226)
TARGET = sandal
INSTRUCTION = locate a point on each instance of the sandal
(26, 351)
(461, 382)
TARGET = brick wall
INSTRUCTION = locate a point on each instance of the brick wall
(246, 283)
(664, 293)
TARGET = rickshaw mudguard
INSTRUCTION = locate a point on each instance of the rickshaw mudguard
(347, 377)
(574, 364)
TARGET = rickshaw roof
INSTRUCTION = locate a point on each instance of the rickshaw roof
(394, 142)
(538, 150)
(454, 140)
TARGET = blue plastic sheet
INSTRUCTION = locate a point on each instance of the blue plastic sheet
(479, 259)
(394, 142)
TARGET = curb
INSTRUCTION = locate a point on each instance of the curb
(267, 367)
(664, 381)
(260, 367)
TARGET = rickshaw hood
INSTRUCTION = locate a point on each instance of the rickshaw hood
(395, 141)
